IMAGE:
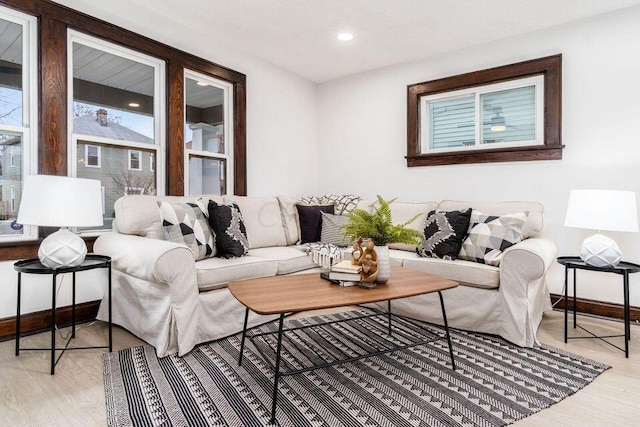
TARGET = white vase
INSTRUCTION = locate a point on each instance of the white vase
(384, 264)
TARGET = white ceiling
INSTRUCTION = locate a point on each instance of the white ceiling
(300, 35)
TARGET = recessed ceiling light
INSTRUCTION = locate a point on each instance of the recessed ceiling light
(134, 104)
(202, 83)
(345, 37)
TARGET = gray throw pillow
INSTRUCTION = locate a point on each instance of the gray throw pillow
(187, 224)
(331, 232)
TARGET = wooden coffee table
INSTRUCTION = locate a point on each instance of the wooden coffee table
(294, 293)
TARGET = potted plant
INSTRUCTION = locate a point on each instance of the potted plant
(378, 227)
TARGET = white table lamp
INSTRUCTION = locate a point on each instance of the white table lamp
(57, 201)
(602, 210)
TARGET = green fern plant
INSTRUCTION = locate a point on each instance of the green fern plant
(379, 227)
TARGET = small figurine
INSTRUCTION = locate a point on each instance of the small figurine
(357, 248)
(369, 272)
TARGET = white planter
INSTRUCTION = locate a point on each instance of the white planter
(384, 264)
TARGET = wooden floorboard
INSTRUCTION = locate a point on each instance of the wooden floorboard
(29, 396)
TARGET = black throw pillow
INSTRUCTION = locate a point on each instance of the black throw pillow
(444, 233)
(310, 220)
(228, 226)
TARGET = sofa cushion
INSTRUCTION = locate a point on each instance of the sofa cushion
(466, 273)
(490, 235)
(311, 221)
(289, 216)
(444, 233)
(228, 226)
(535, 210)
(186, 223)
(401, 212)
(140, 215)
(398, 256)
(289, 258)
(214, 273)
(332, 232)
(263, 220)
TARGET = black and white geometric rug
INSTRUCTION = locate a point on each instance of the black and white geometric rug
(496, 383)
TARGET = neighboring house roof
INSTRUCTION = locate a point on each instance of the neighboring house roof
(89, 125)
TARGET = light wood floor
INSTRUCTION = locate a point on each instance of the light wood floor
(29, 396)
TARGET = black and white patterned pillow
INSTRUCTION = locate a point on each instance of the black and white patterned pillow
(444, 232)
(231, 235)
(331, 231)
(187, 223)
(345, 203)
(490, 235)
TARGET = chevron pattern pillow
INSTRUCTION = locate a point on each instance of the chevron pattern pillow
(186, 223)
(490, 235)
(345, 203)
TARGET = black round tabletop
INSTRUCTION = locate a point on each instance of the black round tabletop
(577, 262)
(34, 266)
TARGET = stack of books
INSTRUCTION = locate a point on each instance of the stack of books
(344, 271)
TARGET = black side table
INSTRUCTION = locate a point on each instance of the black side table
(622, 268)
(34, 266)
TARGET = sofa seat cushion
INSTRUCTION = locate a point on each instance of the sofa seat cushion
(289, 258)
(399, 256)
(214, 273)
(464, 272)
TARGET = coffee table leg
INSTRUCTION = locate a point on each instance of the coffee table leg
(277, 372)
(389, 314)
(244, 335)
(446, 328)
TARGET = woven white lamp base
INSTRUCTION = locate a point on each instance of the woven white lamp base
(600, 251)
(62, 249)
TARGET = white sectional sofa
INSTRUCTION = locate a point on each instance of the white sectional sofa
(162, 295)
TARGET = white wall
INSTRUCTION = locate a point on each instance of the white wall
(281, 133)
(362, 134)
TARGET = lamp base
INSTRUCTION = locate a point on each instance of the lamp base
(600, 251)
(62, 249)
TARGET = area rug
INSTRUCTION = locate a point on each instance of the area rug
(495, 383)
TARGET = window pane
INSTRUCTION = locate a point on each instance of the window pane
(116, 177)
(452, 123)
(10, 182)
(207, 176)
(112, 96)
(204, 125)
(509, 115)
(10, 73)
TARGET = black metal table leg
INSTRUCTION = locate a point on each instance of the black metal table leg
(277, 372)
(446, 328)
(18, 315)
(73, 305)
(389, 314)
(566, 302)
(627, 328)
(53, 323)
(110, 313)
(574, 299)
(244, 335)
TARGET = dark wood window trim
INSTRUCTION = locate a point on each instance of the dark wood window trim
(550, 67)
(53, 22)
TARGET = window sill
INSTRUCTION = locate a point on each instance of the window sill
(511, 154)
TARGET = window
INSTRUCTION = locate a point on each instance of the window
(135, 160)
(116, 117)
(18, 117)
(92, 156)
(508, 113)
(208, 135)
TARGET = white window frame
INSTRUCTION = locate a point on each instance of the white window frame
(152, 162)
(227, 156)
(86, 156)
(130, 160)
(477, 91)
(12, 203)
(29, 129)
(159, 107)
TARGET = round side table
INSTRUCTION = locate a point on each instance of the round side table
(34, 266)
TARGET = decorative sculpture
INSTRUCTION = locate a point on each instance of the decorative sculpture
(357, 248)
(369, 262)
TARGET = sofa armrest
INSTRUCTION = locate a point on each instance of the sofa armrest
(145, 258)
(536, 255)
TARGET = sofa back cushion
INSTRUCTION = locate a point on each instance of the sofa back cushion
(289, 216)
(140, 215)
(403, 211)
(535, 210)
(262, 219)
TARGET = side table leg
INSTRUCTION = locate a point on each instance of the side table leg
(276, 377)
(627, 327)
(18, 314)
(574, 298)
(110, 311)
(389, 314)
(244, 335)
(566, 301)
(446, 328)
(73, 305)
(53, 322)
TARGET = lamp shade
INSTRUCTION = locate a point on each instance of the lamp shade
(605, 210)
(58, 201)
